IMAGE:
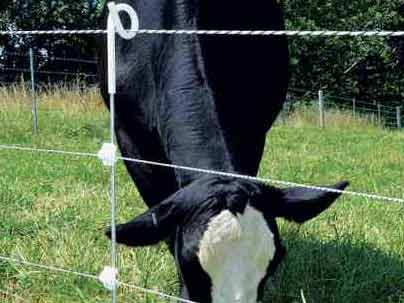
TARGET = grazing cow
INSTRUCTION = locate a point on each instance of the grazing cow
(207, 102)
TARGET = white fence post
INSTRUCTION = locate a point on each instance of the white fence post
(283, 115)
(321, 107)
(354, 107)
(373, 116)
(379, 113)
(398, 111)
(112, 188)
(115, 27)
(34, 104)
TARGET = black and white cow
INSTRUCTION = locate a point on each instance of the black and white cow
(207, 102)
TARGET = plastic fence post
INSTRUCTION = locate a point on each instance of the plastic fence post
(34, 103)
(321, 108)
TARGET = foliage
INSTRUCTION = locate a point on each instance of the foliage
(368, 68)
(48, 15)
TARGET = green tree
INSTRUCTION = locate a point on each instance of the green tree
(48, 15)
(368, 68)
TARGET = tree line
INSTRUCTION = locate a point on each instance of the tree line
(48, 50)
(369, 68)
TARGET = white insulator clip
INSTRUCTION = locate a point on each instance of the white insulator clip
(115, 22)
(107, 154)
(115, 26)
(108, 278)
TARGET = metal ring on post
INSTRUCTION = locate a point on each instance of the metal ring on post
(114, 27)
(114, 21)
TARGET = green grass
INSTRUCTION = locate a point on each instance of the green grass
(54, 208)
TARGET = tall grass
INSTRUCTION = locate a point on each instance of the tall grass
(308, 116)
(71, 98)
(54, 209)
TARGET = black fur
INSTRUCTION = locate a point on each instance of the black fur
(190, 209)
(205, 102)
(197, 101)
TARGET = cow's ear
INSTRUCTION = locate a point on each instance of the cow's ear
(151, 227)
(302, 204)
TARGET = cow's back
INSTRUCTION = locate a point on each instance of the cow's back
(244, 82)
(248, 74)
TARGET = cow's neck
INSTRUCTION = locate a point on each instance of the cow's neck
(240, 71)
(194, 136)
(212, 14)
(210, 81)
(190, 125)
(225, 14)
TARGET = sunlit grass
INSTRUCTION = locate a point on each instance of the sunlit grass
(54, 209)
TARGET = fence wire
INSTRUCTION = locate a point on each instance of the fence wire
(93, 277)
(290, 33)
(172, 166)
(45, 72)
(49, 57)
(378, 113)
(211, 172)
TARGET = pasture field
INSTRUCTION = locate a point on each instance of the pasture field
(54, 208)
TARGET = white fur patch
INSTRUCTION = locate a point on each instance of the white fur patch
(235, 252)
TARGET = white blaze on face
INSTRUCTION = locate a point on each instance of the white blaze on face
(235, 252)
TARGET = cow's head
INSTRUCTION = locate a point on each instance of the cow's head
(224, 234)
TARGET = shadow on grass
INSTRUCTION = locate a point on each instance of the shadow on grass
(341, 271)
